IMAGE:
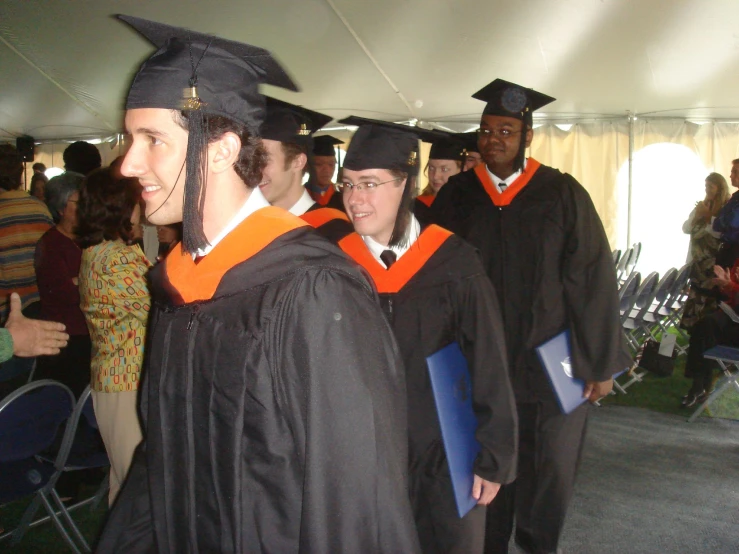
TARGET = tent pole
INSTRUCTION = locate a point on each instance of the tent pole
(631, 174)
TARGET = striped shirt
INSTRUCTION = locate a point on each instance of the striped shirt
(23, 219)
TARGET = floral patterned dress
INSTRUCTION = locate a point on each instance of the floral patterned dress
(115, 300)
(704, 245)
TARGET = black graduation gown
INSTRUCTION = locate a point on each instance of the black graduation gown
(435, 294)
(544, 248)
(273, 404)
(330, 199)
(422, 208)
(330, 223)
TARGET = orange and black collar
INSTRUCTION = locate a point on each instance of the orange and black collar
(323, 199)
(199, 280)
(426, 199)
(394, 279)
(506, 197)
(321, 216)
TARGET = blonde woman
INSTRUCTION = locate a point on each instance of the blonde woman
(115, 301)
(704, 246)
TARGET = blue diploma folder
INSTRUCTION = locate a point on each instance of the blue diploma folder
(554, 355)
(450, 380)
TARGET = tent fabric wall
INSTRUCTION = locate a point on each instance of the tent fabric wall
(592, 153)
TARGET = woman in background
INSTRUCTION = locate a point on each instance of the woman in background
(115, 301)
(57, 263)
(704, 246)
(38, 186)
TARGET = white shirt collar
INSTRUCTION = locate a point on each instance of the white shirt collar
(256, 201)
(497, 181)
(375, 248)
(302, 205)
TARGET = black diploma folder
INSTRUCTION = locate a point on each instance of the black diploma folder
(450, 380)
(554, 356)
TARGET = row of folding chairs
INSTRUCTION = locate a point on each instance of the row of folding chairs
(31, 418)
(650, 307)
(626, 263)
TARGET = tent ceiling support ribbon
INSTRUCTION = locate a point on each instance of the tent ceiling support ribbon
(370, 56)
(56, 83)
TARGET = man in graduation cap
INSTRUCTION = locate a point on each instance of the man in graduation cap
(472, 156)
(434, 292)
(324, 161)
(321, 186)
(287, 135)
(545, 250)
(273, 401)
(446, 159)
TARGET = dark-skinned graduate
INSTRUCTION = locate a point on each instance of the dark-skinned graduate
(273, 401)
(434, 292)
(287, 135)
(543, 246)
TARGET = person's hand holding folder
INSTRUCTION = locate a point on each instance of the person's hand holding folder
(484, 491)
(595, 390)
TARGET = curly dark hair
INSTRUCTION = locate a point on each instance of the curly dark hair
(252, 158)
(105, 207)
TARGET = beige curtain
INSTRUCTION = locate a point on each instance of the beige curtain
(671, 159)
(593, 153)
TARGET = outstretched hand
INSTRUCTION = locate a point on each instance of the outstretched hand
(32, 337)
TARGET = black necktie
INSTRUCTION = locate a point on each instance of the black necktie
(388, 257)
(502, 186)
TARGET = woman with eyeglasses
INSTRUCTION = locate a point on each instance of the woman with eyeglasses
(57, 263)
(434, 292)
(446, 159)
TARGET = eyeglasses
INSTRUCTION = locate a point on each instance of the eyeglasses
(501, 133)
(369, 186)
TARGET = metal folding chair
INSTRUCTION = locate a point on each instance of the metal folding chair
(30, 419)
(727, 358)
(85, 450)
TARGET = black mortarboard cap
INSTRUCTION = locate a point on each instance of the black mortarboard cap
(325, 144)
(203, 75)
(390, 146)
(228, 73)
(469, 140)
(385, 145)
(287, 122)
(511, 100)
(447, 148)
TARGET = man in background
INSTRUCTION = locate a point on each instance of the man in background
(23, 219)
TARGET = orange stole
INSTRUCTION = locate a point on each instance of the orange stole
(199, 280)
(393, 279)
(426, 199)
(322, 199)
(506, 197)
(321, 216)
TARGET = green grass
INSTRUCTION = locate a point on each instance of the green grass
(663, 394)
(45, 539)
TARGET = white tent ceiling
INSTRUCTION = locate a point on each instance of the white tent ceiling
(65, 65)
